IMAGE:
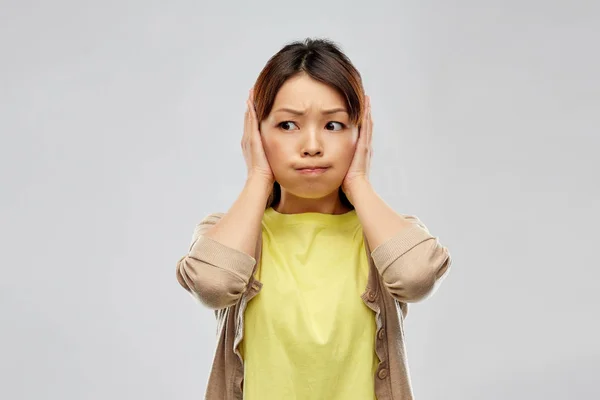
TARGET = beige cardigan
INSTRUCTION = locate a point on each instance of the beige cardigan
(407, 268)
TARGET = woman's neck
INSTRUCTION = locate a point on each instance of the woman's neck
(290, 204)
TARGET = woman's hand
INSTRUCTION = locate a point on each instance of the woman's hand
(252, 146)
(359, 167)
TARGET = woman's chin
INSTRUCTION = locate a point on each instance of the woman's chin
(313, 192)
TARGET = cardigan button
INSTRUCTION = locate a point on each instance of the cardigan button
(381, 333)
(383, 373)
(371, 295)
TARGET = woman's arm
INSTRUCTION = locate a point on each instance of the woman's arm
(220, 260)
(240, 227)
(219, 264)
(410, 260)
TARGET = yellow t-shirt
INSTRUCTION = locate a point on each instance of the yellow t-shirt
(308, 334)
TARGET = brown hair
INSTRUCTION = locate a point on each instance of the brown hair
(322, 60)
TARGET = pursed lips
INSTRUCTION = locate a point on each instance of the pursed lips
(315, 169)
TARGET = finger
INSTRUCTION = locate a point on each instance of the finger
(369, 124)
(247, 114)
(366, 107)
(364, 124)
(246, 133)
(253, 118)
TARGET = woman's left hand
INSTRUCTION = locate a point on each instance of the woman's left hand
(359, 167)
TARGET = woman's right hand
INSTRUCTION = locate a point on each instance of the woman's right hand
(252, 146)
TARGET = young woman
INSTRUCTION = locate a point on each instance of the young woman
(310, 272)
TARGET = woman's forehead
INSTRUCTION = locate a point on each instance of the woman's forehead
(303, 91)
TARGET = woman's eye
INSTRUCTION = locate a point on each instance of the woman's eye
(339, 123)
(284, 123)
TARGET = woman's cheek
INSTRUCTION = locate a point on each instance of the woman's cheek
(267, 143)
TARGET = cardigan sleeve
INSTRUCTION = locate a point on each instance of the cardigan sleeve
(214, 274)
(413, 263)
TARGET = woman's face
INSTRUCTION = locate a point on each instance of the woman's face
(311, 137)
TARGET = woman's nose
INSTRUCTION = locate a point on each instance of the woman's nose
(312, 145)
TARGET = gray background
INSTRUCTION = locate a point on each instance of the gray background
(121, 124)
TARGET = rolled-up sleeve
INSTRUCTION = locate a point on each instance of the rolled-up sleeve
(413, 263)
(214, 274)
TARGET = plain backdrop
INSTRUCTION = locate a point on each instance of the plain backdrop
(121, 124)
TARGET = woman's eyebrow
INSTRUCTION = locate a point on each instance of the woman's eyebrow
(325, 112)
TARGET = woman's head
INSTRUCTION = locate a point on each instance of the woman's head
(309, 77)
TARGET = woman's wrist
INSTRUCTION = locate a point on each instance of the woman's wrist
(260, 183)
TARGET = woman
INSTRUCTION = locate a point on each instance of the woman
(310, 271)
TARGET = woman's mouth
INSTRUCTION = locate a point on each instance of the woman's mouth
(312, 171)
